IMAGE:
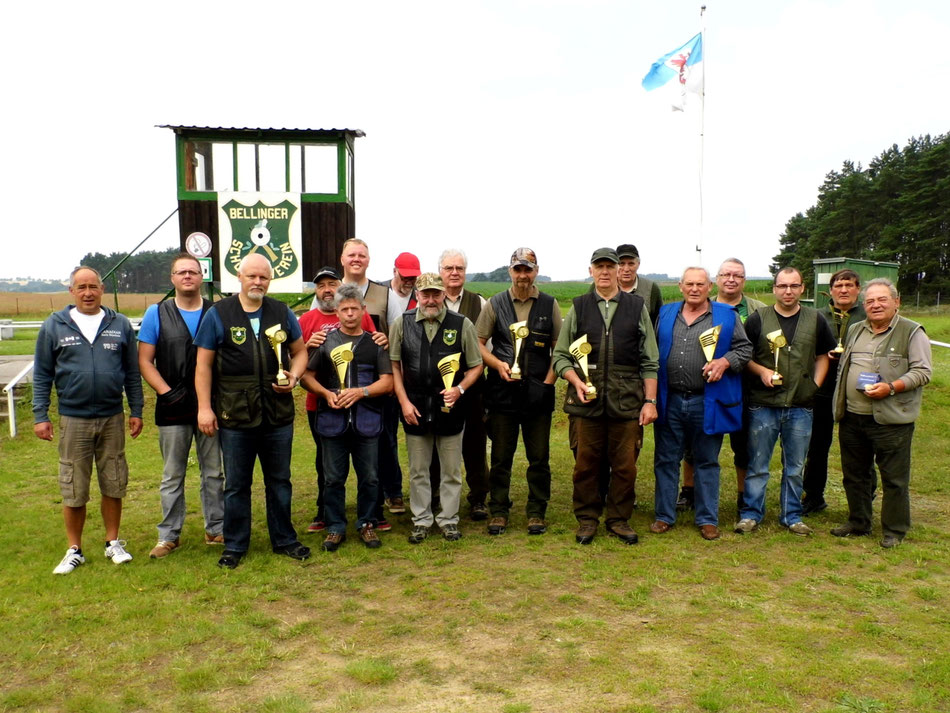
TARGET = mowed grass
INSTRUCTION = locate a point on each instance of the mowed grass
(766, 622)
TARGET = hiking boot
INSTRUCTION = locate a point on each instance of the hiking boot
(115, 551)
(889, 541)
(334, 540)
(585, 532)
(369, 537)
(451, 533)
(536, 526)
(848, 530)
(163, 549)
(396, 505)
(623, 532)
(419, 534)
(479, 512)
(72, 560)
(497, 525)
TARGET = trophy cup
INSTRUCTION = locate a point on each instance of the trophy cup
(448, 366)
(776, 341)
(579, 349)
(277, 336)
(519, 332)
(840, 318)
(341, 357)
(708, 341)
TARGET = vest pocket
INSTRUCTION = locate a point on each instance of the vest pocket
(630, 392)
(175, 407)
(236, 406)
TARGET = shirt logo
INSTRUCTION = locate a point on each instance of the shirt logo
(239, 335)
(449, 336)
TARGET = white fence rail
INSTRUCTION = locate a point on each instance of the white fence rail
(8, 390)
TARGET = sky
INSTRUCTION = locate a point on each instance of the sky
(489, 124)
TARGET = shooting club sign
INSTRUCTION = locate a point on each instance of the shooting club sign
(264, 223)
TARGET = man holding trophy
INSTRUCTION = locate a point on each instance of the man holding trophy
(251, 351)
(841, 312)
(523, 324)
(607, 352)
(435, 358)
(703, 351)
(790, 360)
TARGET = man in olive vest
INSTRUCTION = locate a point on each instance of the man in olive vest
(781, 393)
(631, 282)
(610, 415)
(523, 324)
(452, 267)
(703, 351)
(885, 363)
(238, 345)
(167, 361)
(842, 311)
(435, 360)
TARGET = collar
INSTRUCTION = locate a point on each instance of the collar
(533, 295)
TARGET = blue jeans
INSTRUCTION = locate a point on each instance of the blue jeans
(240, 447)
(175, 445)
(766, 425)
(682, 429)
(336, 466)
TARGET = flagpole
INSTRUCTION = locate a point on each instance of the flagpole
(702, 126)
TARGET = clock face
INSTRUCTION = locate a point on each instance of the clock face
(198, 244)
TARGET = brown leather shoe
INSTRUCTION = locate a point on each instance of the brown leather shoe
(623, 532)
(709, 532)
(659, 527)
(585, 532)
(497, 525)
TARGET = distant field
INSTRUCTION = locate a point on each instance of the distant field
(38, 305)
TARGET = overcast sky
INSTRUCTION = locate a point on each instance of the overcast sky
(489, 125)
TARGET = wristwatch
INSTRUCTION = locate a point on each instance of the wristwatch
(650, 401)
(365, 392)
(461, 390)
(891, 386)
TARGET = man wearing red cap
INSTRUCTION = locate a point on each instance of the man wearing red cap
(402, 287)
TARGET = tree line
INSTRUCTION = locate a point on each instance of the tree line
(146, 271)
(895, 210)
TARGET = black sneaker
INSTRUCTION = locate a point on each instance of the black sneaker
(294, 550)
(810, 507)
(230, 559)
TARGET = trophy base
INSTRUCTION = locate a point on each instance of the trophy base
(838, 349)
(591, 393)
(282, 380)
(777, 380)
(446, 409)
(515, 376)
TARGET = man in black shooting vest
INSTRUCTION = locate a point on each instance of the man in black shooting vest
(238, 345)
(610, 414)
(435, 359)
(167, 362)
(523, 324)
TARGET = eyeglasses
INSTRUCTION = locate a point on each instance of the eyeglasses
(453, 268)
(786, 288)
(188, 273)
(734, 275)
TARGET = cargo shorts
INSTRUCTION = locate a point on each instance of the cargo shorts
(82, 440)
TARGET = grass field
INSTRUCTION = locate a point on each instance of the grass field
(514, 624)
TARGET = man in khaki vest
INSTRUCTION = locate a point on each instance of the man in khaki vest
(885, 363)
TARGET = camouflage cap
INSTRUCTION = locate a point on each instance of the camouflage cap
(429, 281)
(524, 256)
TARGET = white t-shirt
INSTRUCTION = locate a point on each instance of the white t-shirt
(88, 323)
(397, 305)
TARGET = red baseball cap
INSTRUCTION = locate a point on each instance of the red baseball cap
(408, 265)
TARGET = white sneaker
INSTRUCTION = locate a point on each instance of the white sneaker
(72, 560)
(746, 525)
(115, 551)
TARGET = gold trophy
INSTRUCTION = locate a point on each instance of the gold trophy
(579, 349)
(448, 367)
(341, 357)
(708, 341)
(277, 336)
(840, 318)
(519, 332)
(776, 341)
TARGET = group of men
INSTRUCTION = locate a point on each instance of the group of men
(463, 375)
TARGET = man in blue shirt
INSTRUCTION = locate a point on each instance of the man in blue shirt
(167, 362)
(254, 412)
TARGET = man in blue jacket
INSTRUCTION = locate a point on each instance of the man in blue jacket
(88, 351)
(700, 399)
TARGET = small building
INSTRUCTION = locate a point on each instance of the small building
(287, 194)
(866, 270)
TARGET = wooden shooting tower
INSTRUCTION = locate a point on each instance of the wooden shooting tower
(307, 174)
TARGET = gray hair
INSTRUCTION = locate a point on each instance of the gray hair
(348, 292)
(880, 281)
(243, 264)
(93, 270)
(453, 252)
(736, 260)
(695, 267)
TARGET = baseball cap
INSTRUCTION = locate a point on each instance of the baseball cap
(524, 256)
(408, 265)
(327, 271)
(604, 254)
(627, 250)
(430, 281)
